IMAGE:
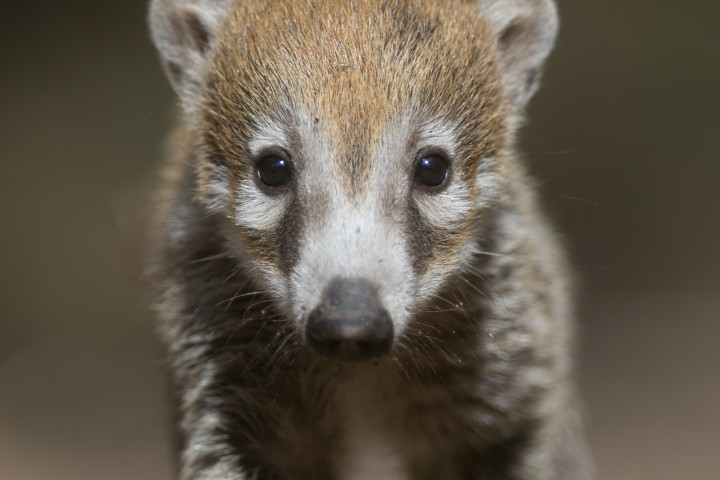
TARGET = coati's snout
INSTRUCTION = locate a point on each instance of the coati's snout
(350, 322)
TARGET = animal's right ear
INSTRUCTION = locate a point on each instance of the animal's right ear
(184, 33)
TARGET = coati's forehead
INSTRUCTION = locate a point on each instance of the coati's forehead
(355, 68)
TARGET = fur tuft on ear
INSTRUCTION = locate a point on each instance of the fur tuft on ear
(525, 32)
(184, 31)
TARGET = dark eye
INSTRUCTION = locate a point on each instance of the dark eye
(274, 171)
(432, 170)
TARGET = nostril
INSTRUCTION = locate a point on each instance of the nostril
(349, 323)
(349, 349)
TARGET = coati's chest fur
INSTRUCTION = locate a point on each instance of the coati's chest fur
(354, 280)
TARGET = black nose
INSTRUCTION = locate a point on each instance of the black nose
(349, 323)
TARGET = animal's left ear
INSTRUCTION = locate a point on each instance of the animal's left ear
(524, 32)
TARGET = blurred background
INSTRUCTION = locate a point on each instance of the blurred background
(623, 140)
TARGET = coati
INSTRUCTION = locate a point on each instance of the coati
(353, 277)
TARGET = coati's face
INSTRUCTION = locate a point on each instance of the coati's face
(356, 148)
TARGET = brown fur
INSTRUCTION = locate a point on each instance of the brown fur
(352, 80)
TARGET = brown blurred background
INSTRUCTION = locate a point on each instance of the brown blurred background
(623, 140)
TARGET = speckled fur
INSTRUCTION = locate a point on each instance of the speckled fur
(478, 384)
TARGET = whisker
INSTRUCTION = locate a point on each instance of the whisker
(210, 258)
(514, 257)
(240, 295)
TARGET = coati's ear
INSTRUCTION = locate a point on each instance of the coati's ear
(525, 32)
(184, 32)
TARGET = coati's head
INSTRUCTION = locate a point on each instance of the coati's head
(356, 147)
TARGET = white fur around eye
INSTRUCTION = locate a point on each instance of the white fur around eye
(446, 209)
(256, 209)
(438, 134)
(267, 134)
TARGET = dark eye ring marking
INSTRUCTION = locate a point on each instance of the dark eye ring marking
(432, 169)
(274, 169)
